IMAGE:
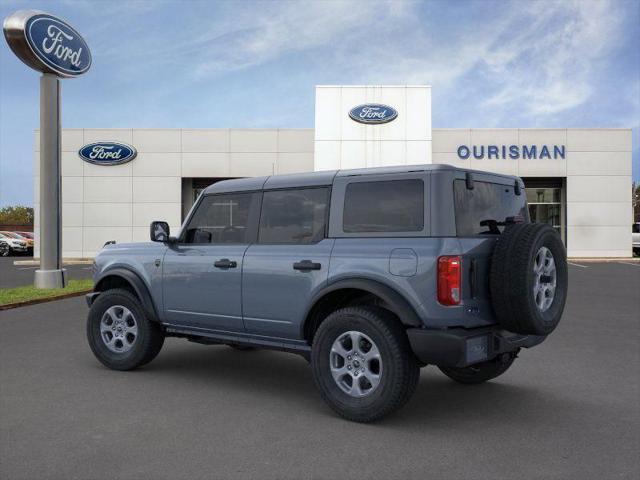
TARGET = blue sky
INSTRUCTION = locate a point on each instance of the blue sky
(255, 64)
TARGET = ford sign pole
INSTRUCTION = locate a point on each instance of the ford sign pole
(51, 274)
(51, 46)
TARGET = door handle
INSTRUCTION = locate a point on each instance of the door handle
(306, 265)
(225, 263)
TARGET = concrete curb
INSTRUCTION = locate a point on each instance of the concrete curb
(70, 261)
(36, 301)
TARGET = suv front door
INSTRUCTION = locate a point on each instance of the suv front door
(289, 263)
(202, 273)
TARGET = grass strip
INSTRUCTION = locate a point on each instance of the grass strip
(9, 296)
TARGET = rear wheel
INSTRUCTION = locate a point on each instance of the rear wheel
(362, 363)
(4, 250)
(481, 372)
(120, 333)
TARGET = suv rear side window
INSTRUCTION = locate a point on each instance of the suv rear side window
(295, 216)
(486, 202)
(221, 219)
(384, 206)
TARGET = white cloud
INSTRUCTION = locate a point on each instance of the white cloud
(549, 66)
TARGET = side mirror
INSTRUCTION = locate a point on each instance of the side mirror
(159, 232)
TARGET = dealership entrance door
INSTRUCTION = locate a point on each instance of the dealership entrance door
(546, 199)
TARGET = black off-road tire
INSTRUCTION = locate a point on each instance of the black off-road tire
(512, 279)
(400, 371)
(480, 372)
(149, 338)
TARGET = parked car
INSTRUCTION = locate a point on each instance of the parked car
(5, 249)
(21, 236)
(15, 244)
(26, 234)
(369, 274)
(635, 237)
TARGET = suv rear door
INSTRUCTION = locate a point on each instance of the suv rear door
(289, 262)
(202, 273)
(481, 208)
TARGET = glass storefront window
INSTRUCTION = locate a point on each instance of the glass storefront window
(544, 195)
(545, 206)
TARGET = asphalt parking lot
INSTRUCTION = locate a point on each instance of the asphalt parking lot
(21, 275)
(566, 409)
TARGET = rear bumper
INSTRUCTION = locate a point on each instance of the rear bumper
(459, 347)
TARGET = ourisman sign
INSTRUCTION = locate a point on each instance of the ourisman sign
(513, 152)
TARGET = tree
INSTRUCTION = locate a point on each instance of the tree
(16, 215)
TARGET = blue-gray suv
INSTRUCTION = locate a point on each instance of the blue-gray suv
(369, 274)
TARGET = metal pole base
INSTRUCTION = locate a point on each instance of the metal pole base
(50, 278)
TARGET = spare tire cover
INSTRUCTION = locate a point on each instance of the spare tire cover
(528, 279)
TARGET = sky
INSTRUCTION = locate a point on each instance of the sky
(208, 64)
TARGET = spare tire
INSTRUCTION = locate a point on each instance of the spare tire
(528, 279)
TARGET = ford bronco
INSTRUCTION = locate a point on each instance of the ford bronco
(369, 274)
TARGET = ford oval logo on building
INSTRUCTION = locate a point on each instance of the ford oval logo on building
(47, 43)
(107, 153)
(373, 113)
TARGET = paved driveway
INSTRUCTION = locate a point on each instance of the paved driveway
(567, 409)
(20, 275)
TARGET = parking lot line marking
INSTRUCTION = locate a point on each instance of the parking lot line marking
(26, 268)
(632, 264)
(577, 265)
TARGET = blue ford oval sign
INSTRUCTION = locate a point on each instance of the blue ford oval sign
(373, 113)
(47, 43)
(107, 153)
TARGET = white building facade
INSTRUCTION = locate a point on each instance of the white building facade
(578, 180)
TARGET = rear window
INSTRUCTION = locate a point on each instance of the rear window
(478, 210)
(386, 206)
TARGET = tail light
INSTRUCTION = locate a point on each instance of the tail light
(449, 273)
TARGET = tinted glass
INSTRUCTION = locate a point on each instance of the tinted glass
(293, 216)
(543, 195)
(487, 202)
(221, 219)
(387, 206)
(635, 228)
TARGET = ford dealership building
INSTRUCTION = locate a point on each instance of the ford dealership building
(578, 180)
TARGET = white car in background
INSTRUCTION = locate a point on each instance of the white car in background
(635, 238)
(15, 245)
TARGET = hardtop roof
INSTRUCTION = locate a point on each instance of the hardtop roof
(323, 178)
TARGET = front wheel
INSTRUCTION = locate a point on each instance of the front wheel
(4, 250)
(362, 363)
(480, 372)
(120, 333)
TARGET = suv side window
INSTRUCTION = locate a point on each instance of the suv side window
(222, 219)
(384, 206)
(487, 201)
(293, 216)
